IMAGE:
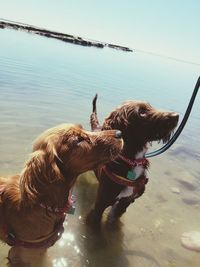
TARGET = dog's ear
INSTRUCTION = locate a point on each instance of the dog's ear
(118, 119)
(40, 169)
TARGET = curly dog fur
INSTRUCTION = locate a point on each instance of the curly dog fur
(140, 124)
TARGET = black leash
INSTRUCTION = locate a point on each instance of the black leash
(181, 126)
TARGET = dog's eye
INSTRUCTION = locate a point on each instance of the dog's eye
(79, 139)
(143, 112)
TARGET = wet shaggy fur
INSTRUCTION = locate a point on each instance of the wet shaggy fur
(140, 125)
(60, 155)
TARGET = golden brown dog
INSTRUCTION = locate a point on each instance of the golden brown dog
(33, 204)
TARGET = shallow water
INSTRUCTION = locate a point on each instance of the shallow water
(45, 82)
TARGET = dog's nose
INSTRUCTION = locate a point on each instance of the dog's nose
(118, 134)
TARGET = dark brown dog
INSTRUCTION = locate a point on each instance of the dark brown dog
(123, 180)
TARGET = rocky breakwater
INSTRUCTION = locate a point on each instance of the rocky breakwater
(4, 24)
(118, 47)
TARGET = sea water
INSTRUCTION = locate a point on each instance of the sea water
(45, 82)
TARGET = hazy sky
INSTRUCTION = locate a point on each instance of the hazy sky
(167, 27)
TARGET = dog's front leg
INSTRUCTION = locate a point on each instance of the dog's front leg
(118, 209)
(94, 217)
(107, 193)
(123, 200)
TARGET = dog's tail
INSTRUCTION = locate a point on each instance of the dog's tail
(94, 122)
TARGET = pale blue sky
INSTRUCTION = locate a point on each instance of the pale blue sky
(170, 27)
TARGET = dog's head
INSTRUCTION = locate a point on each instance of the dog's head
(140, 123)
(76, 149)
(63, 152)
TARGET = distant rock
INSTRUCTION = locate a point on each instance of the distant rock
(124, 48)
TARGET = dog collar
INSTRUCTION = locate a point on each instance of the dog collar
(142, 180)
(136, 162)
(131, 176)
(117, 178)
(68, 208)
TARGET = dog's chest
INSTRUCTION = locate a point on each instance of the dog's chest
(139, 170)
(136, 173)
